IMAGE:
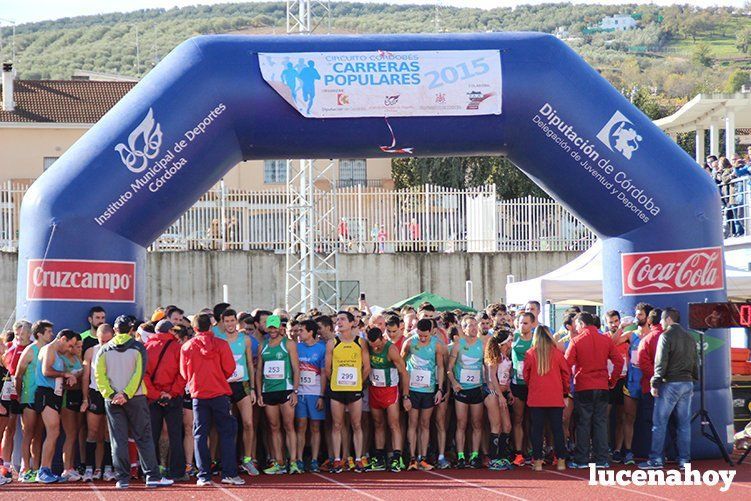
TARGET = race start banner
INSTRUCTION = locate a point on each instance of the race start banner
(387, 84)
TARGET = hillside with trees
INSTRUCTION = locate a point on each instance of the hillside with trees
(672, 53)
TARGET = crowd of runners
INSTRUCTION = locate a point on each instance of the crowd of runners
(224, 392)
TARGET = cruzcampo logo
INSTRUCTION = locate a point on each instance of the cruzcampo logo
(711, 343)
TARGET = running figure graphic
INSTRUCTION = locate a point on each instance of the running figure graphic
(289, 77)
(308, 76)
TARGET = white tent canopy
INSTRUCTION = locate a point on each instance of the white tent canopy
(580, 281)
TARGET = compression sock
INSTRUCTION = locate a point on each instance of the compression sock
(107, 461)
(90, 454)
(495, 446)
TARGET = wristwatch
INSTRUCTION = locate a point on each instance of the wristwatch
(405, 397)
(296, 391)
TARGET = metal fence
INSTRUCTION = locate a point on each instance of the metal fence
(366, 220)
(736, 207)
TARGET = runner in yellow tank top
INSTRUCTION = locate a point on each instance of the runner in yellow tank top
(347, 366)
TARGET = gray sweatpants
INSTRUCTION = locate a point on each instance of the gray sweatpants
(133, 416)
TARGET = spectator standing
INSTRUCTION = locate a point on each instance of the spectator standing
(589, 353)
(164, 391)
(205, 363)
(672, 385)
(120, 365)
(547, 376)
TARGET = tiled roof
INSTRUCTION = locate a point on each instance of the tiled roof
(63, 101)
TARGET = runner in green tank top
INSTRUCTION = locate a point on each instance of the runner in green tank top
(425, 357)
(521, 343)
(465, 374)
(42, 334)
(387, 370)
(278, 378)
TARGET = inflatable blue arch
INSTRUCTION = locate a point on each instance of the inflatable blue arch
(217, 100)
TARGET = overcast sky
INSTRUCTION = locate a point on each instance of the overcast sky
(22, 11)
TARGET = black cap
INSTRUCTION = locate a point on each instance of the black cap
(124, 324)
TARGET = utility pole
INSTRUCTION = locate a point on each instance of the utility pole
(310, 262)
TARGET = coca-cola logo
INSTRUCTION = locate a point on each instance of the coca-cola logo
(81, 280)
(670, 272)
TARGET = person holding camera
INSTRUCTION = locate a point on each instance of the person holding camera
(164, 390)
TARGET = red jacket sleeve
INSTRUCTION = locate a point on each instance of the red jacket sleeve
(227, 360)
(178, 386)
(571, 354)
(151, 392)
(643, 356)
(184, 362)
(530, 360)
(565, 372)
(617, 360)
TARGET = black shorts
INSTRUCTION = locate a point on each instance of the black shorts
(45, 397)
(472, 396)
(276, 397)
(421, 400)
(72, 400)
(520, 391)
(344, 397)
(96, 402)
(16, 407)
(616, 394)
(240, 390)
(6, 405)
(187, 401)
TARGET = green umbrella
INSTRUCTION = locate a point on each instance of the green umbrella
(441, 303)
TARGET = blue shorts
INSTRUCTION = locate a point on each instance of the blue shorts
(306, 408)
(632, 389)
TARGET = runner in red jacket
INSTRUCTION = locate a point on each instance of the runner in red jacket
(647, 351)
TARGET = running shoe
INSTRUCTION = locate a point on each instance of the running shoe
(396, 465)
(88, 475)
(326, 465)
(45, 476)
(216, 468)
(577, 466)
(153, 482)
(601, 465)
(70, 476)
(236, 480)
(518, 460)
(651, 465)
(122, 484)
(377, 464)
(249, 467)
(134, 472)
(628, 458)
(350, 463)
(365, 462)
(461, 463)
(443, 464)
(505, 465)
(336, 467)
(617, 456)
(494, 465)
(98, 473)
(475, 462)
(5, 472)
(294, 468)
(5, 480)
(360, 465)
(191, 470)
(412, 465)
(204, 482)
(107, 476)
(314, 468)
(27, 477)
(424, 465)
(275, 469)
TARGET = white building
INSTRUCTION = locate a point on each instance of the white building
(620, 22)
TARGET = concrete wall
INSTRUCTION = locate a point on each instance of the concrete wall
(256, 279)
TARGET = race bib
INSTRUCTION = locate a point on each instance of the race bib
(503, 372)
(419, 378)
(520, 371)
(467, 376)
(378, 377)
(238, 374)
(309, 378)
(635, 358)
(346, 376)
(625, 367)
(59, 386)
(610, 368)
(8, 390)
(273, 369)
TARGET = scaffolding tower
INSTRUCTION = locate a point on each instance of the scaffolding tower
(311, 276)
